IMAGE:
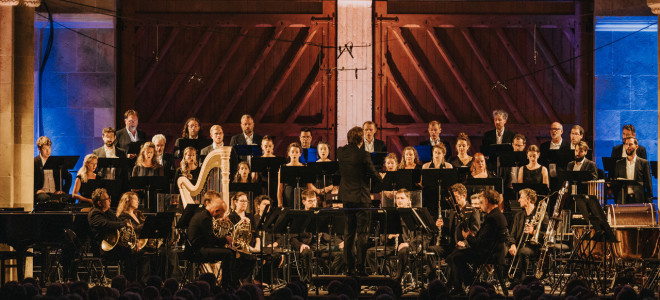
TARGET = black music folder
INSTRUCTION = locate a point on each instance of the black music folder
(158, 226)
(480, 184)
(378, 159)
(135, 147)
(248, 150)
(198, 144)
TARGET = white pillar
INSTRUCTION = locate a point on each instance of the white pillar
(355, 82)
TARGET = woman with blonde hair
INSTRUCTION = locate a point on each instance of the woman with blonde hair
(82, 189)
(127, 211)
(189, 166)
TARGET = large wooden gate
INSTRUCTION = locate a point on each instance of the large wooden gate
(456, 62)
(218, 60)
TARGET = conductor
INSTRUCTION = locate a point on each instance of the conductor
(356, 168)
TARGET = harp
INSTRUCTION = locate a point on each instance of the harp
(216, 162)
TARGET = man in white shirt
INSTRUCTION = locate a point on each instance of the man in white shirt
(619, 151)
(130, 133)
(247, 137)
(577, 133)
(109, 150)
(164, 159)
(371, 143)
(47, 181)
(556, 142)
(634, 168)
(217, 135)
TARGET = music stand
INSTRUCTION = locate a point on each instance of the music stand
(424, 152)
(120, 163)
(148, 184)
(577, 178)
(309, 155)
(134, 147)
(386, 221)
(513, 159)
(327, 168)
(496, 183)
(539, 188)
(248, 150)
(268, 165)
(198, 144)
(295, 176)
(292, 221)
(438, 180)
(621, 184)
(609, 165)
(59, 163)
(407, 179)
(158, 226)
(330, 221)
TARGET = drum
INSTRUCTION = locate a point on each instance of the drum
(642, 214)
(634, 242)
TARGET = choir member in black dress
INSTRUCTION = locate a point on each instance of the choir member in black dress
(285, 191)
(479, 168)
(323, 153)
(189, 166)
(409, 159)
(147, 162)
(462, 158)
(82, 189)
(438, 158)
(533, 172)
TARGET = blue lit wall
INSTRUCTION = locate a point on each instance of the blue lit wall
(626, 83)
(78, 98)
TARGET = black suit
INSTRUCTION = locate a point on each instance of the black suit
(490, 137)
(617, 152)
(564, 149)
(379, 146)
(239, 139)
(427, 142)
(642, 193)
(488, 243)
(205, 245)
(100, 152)
(356, 169)
(587, 165)
(124, 140)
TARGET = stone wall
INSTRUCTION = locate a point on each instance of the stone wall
(78, 98)
(626, 83)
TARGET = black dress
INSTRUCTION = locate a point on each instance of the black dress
(147, 171)
(457, 163)
(532, 176)
(86, 188)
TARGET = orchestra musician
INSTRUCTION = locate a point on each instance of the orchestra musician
(634, 168)
(130, 133)
(407, 241)
(244, 264)
(306, 246)
(82, 188)
(127, 211)
(581, 163)
(435, 128)
(47, 182)
(190, 131)
(207, 246)
(619, 151)
(454, 226)
(147, 163)
(479, 248)
(103, 222)
(356, 168)
(522, 224)
(371, 143)
(462, 158)
(533, 172)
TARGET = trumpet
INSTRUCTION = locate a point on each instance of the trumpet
(536, 221)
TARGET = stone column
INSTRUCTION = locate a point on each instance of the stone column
(655, 8)
(6, 106)
(355, 82)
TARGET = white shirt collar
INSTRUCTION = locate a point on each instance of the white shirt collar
(133, 137)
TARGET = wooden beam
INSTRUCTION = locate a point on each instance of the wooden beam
(551, 59)
(198, 21)
(155, 62)
(483, 21)
(238, 93)
(405, 101)
(442, 103)
(299, 106)
(396, 142)
(401, 87)
(237, 6)
(465, 85)
(492, 76)
(289, 69)
(531, 81)
(203, 96)
(482, 7)
(174, 87)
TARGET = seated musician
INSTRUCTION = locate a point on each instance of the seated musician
(305, 243)
(487, 244)
(147, 163)
(189, 166)
(453, 228)
(522, 225)
(478, 168)
(245, 263)
(462, 158)
(191, 131)
(405, 241)
(47, 182)
(104, 223)
(207, 246)
(581, 163)
(82, 189)
(533, 172)
(127, 211)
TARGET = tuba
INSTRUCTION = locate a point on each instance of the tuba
(217, 159)
(552, 227)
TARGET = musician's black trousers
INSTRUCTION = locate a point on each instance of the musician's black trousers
(227, 258)
(526, 255)
(401, 263)
(355, 236)
(458, 260)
